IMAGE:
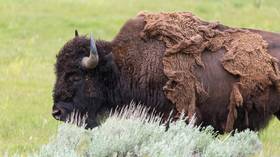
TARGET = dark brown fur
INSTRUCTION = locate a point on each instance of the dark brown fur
(131, 69)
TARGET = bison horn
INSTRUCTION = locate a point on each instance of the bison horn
(76, 33)
(91, 61)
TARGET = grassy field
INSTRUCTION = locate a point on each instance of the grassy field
(32, 32)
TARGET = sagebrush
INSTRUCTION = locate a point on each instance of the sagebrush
(133, 132)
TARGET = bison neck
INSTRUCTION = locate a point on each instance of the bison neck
(140, 76)
(139, 84)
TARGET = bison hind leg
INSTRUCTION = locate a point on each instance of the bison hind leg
(277, 114)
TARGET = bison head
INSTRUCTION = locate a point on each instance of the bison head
(80, 70)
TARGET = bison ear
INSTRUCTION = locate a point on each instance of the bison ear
(76, 33)
(108, 63)
(108, 57)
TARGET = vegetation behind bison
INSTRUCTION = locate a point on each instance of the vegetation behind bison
(93, 77)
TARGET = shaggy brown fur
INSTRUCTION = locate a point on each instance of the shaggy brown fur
(186, 37)
(132, 67)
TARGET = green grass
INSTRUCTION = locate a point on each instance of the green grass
(32, 32)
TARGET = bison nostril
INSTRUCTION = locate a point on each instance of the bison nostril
(57, 114)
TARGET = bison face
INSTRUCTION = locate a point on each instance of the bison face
(78, 88)
(77, 93)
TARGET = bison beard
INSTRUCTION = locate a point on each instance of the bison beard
(226, 77)
(186, 37)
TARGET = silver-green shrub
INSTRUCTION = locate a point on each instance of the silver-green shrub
(134, 133)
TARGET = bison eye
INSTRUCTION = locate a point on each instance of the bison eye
(75, 78)
(72, 77)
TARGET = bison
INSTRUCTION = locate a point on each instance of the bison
(97, 76)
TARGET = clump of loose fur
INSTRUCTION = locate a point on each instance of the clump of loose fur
(186, 37)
